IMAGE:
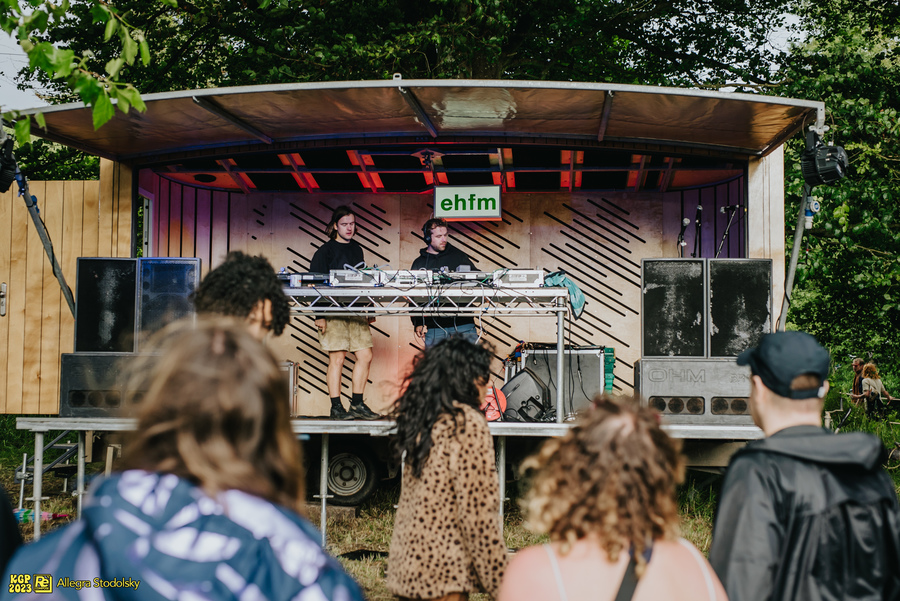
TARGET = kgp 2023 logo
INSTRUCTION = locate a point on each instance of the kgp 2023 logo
(26, 583)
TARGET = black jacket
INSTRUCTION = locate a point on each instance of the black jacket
(451, 258)
(808, 515)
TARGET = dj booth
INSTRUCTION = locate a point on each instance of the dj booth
(511, 293)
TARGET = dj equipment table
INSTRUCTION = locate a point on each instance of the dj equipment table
(461, 298)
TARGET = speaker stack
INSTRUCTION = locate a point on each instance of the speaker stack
(697, 316)
(119, 303)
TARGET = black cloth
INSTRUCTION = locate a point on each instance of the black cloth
(451, 258)
(808, 515)
(334, 255)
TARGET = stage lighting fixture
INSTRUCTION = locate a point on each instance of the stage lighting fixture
(820, 164)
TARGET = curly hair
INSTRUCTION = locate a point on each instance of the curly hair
(237, 285)
(449, 371)
(613, 476)
(212, 407)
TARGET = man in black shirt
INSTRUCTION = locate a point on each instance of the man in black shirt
(342, 335)
(437, 254)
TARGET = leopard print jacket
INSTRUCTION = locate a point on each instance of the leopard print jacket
(447, 536)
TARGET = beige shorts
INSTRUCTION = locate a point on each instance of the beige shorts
(349, 334)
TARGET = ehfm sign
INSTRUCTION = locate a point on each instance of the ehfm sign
(467, 203)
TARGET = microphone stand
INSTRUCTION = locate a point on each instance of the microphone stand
(697, 231)
(733, 212)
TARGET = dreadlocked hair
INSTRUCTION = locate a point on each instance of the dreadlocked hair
(237, 285)
(443, 377)
(611, 477)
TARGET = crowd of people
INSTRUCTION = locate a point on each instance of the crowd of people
(207, 502)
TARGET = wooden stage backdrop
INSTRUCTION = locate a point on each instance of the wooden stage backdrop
(598, 239)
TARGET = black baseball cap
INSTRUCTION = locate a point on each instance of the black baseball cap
(782, 356)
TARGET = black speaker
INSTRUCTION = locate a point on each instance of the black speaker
(105, 305)
(119, 302)
(92, 384)
(584, 374)
(527, 397)
(673, 308)
(166, 288)
(740, 304)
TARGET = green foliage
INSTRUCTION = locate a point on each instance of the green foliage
(206, 43)
(33, 20)
(848, 279)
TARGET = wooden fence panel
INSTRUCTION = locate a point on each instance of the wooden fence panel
(39, 326)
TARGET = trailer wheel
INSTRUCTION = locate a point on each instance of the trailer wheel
(352, 477)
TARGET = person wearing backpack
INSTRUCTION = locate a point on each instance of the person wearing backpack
(874, 391)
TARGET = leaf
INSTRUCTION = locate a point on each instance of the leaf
(145, 52)
(130, 95)
(114, 66)
(111, 26)
(129, 47)
(39, 117)
(103, 111)
(23, 130)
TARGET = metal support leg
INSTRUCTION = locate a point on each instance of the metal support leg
(22, 483)
(560, 350)
(501, 473)
(79, 482)
(323, 488)
(38, 481)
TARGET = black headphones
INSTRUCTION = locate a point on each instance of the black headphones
(430, 225)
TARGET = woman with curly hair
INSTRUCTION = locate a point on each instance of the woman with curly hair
(605, 492)
(447, 540)
(208, 503)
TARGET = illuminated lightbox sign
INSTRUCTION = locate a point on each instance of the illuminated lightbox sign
(467, 203)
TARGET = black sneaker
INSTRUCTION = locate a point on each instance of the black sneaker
(361, 411)
(339, 413)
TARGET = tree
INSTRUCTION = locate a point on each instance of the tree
(77, 72)
(848, 291)
(204, 43)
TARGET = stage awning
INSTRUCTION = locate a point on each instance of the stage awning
(223, 121)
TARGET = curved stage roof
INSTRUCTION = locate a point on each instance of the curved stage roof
(279, 118)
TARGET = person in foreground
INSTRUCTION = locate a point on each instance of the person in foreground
(447, 541)
(247, 288)
(207, 505)
(804, 514)
(605, 493)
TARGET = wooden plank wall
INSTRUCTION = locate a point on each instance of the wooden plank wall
(599, 239)
(81, 220)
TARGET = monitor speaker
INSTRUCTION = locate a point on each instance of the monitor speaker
(740, 304)
(584, 367)
(120, 302)
(165, 294)
(105, 305)
(527, 397)
(92, 384)
(673, 308)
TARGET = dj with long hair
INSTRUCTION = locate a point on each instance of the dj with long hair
(447, 541)
(208, 504)
(605, 493)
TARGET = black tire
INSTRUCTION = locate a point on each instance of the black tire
(353, 476)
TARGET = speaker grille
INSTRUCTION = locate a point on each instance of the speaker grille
(721, 405)
(676, 405)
